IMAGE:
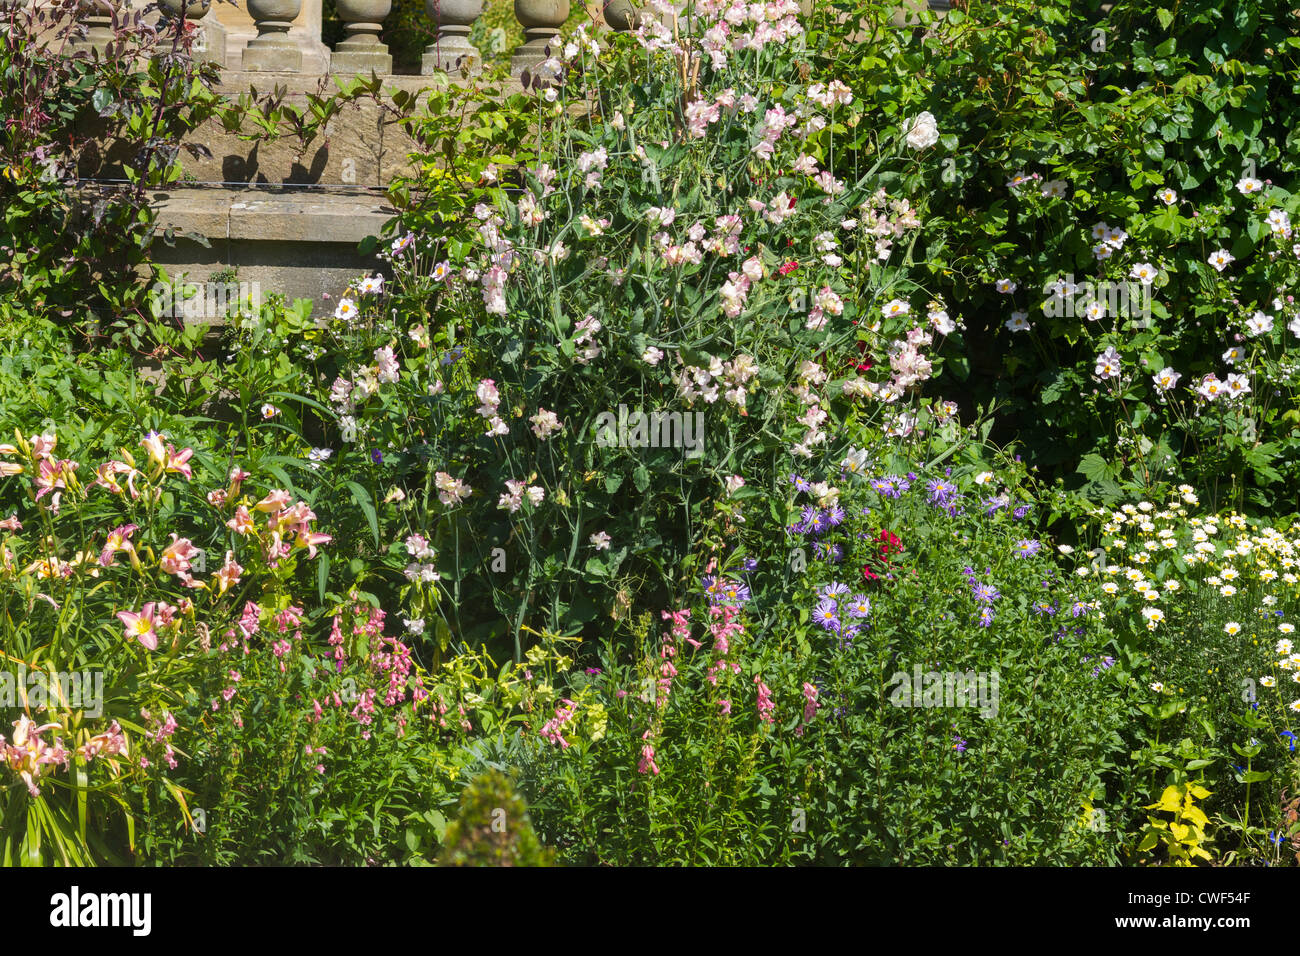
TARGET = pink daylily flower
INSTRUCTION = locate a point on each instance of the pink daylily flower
(277, 500)
(176, 557)
(119, 540)
(229, 573)
(140, 627)
(242, 522)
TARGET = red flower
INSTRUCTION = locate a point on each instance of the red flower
(865, 364)
(789, 267)
(887, 544)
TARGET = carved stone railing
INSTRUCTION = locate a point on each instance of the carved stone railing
(284, 36)
(289, 218)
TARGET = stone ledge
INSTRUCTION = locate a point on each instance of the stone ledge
(299, 243)
(282, 214)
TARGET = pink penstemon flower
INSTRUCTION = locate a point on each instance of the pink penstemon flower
(141, 626)
(765, 705)
(810, 706)
(647, 764)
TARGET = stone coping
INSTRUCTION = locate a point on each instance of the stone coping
(279, 214)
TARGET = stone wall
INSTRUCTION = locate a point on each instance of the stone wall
(290, 218)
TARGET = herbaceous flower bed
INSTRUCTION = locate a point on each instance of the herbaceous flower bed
(764, 443)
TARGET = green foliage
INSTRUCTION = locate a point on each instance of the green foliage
(71, 249)
(492, 827)
(1109, 109)
(906, 732)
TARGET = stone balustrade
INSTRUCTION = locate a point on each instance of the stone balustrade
(284, 36)
(290, 217)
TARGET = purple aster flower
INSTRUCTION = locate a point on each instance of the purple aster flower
(984, 593)
(833, 590)
(940, 491)
(911, 476)
(995, 504)
(733, 592)
(800, 484)
(814, 520)
(1046, 608)
(1020, 512)
(835, 516)
(859, 606)
(749, 564)
(986, 616)
(886, 487)
(827, 615)
(1026, 548)
(831, 553)
(958, 744)
(377, 456)
(1079, 609)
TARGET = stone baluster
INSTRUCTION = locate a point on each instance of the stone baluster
(623, 15)
(99, 24)
(273, 50)
(361, 50)
(193, 10)
(208, 40)
(541, 20)
(451, 50)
